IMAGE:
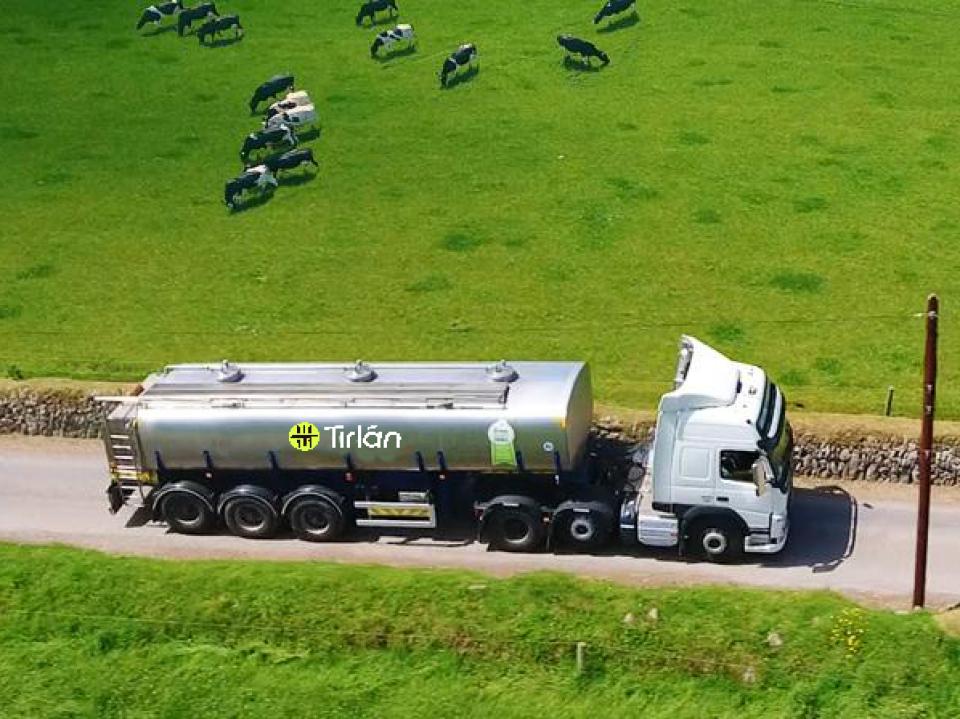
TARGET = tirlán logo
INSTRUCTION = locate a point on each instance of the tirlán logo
(305, 436)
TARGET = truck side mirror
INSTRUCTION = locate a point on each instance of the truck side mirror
(762, 475)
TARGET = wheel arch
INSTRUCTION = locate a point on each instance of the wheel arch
(316, 491)
(700, 514)
(186, 486)
(262, 495)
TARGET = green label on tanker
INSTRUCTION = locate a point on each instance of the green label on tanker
(502, 451)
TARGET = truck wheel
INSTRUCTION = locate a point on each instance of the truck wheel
(584, 530)
(515, 530)
(315, 520)
(186, 513)
(717, 540)
(250, 518)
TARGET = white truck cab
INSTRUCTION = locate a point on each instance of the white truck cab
(717, 477)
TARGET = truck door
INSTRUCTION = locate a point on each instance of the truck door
(736, 490)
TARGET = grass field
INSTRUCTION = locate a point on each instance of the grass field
(86, 635)
(778, 178)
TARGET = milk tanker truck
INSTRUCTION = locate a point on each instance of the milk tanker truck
(324, 448)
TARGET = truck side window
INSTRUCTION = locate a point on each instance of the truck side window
(737, 465)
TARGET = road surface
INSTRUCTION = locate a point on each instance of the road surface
(856, 539)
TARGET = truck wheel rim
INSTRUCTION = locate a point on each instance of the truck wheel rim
(515, 530)
(184, 510)
(582, 529)
(250, 517)
(714, 542)
(315, 520)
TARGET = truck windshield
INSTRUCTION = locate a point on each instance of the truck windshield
(776, 436)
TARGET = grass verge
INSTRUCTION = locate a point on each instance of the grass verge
(82, 634)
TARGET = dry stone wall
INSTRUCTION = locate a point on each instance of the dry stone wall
(62, 413)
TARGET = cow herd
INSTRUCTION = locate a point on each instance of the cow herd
(274, 147)
(212, 27)
(276, 143)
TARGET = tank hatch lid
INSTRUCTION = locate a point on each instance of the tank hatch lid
(368, 384)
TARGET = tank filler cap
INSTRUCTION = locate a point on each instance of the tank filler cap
(229, 372)
(361, 372)
(502, 372)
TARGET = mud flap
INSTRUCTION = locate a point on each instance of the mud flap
(115, 496)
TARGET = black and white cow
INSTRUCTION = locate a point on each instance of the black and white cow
(156, 13)
(388, 38)
(613, 7)
(217, 25)
(254, 178)
(586, 50)
(371, 8)
(267, 138)
(291, 160)
(463, 56)
(271, 88)
(190, 15)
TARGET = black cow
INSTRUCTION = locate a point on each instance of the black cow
(268, 137)
(291, 160)
(461, 57)
(613, 7)
(217, 25)
(271, 88)
(371, 8)
(576, 46)
(256, 178)
(190, 15)
(156, 13)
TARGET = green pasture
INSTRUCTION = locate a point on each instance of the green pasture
(779, 178)
(85, 635)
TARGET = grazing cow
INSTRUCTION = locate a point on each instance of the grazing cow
(259, 178)
(190, 15)
(292, 100)
(271, 88)
(267, 138)
(297, 117)
(388, 38)
(613, 7)
(291, 160)
(586, 50)
(217, 25)
(371, 8)
(463, 56)
(156, 13)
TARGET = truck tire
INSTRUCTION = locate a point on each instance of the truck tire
(315, 520)
(514, 529)
(250, 517)
(187, 513)
(584, 530)
(718, 540)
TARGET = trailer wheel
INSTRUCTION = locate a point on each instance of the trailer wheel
(315, 520)
(251, 518)
(187, 513)
(513, 529)
(717, 539)
(584, 530)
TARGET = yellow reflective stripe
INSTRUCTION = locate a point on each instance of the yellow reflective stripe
(397, 512)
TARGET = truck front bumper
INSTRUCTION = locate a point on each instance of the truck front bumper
(772, 541)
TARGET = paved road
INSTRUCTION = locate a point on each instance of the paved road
(862, 546)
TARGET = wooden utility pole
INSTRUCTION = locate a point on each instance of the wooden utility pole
(926, 451)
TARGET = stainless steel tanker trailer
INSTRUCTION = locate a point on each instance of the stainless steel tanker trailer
(322, 448)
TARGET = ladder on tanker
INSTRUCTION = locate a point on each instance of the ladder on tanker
(122, 453)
